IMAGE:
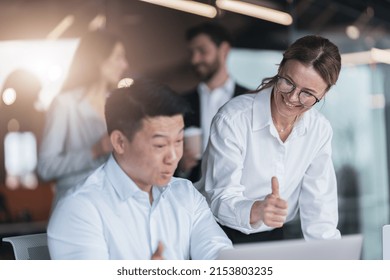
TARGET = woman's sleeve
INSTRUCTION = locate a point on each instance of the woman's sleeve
(318, 199)
(54, 160)
(207, 237)
(222, 170)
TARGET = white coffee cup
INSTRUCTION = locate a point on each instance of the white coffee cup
(193, 141)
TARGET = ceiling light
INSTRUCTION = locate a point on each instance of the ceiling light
(9, 96)
(356, 58)
(381, 56)
(367, 57)
(125, 82)
(352, 32)
(255, 11)
(61, 28)
(192, 7)
(98, 22)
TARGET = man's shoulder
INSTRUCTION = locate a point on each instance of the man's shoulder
(184, 194)
(91, 187)
(180, 182)
(182, 185)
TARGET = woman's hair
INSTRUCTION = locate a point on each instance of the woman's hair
(94, 47)
(312, 50)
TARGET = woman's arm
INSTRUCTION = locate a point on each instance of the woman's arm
(318, 199)
(55, 160)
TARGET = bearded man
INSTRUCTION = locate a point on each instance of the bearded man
(209, 45)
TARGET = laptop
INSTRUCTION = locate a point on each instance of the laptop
(386, 242)
(349, 247)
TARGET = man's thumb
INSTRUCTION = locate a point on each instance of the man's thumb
(158, 254)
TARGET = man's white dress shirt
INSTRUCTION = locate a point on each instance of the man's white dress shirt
(210, 102)
(109, 217)
(245, 151)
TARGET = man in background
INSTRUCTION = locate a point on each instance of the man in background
(209, 44)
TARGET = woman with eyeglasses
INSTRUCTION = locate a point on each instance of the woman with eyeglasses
(269, 152)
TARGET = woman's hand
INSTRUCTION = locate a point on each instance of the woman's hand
(272, 211)
(188, 161)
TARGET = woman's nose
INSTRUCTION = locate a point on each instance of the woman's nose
(294, 95)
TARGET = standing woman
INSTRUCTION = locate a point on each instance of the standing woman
(75, 139)
(269, 153)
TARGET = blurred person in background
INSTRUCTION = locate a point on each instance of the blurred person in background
(209, 44)
(21, 126)
(270, 154)
(75, 140)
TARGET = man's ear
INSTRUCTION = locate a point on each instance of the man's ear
(225, 49)
(118, 140)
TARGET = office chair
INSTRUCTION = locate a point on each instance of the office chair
(29, 247)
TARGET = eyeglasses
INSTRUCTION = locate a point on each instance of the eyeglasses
(305, 98)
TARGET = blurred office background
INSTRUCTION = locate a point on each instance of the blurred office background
(38, 37)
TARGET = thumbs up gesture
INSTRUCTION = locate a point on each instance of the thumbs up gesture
(272, 211)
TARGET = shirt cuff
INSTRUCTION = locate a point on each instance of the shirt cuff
(243, 212)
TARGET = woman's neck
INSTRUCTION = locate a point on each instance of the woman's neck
(281, 120)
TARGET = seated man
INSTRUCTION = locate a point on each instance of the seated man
(131, 207)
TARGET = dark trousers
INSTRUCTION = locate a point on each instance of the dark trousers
(238, 237)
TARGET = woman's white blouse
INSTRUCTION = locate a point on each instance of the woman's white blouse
(245, 151)
(72, 128)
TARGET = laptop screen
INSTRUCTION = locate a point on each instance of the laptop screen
(349, 247)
